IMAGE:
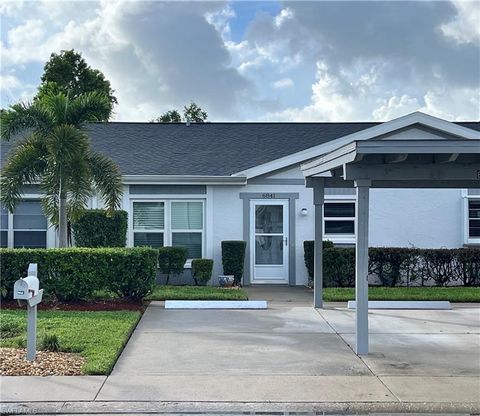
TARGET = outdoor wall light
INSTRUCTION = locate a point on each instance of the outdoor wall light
(304, 211)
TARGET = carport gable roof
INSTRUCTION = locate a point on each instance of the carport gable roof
(394, 163)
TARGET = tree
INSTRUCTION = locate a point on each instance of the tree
(56, 154)
(68, 72)
(172, 116)
(192, 113)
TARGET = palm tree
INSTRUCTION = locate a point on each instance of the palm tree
(55, 152)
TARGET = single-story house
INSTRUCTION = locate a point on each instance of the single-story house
(197, 184)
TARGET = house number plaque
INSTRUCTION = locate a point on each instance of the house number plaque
(268, 196)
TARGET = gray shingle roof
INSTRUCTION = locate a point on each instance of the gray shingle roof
(213, 149)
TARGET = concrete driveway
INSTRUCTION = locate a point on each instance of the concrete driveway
(289, 353)
(294, 353)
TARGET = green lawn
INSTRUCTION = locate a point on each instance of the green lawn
(196, 293)
(453, 294)
(98, 336)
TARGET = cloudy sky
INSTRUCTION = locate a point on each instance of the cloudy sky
(286, 61)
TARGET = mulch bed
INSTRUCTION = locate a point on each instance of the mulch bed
(91, 305)
(14, 363)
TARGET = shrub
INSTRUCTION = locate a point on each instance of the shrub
(202, 271)
(391, 264)
(468, 266)
(73, 274)
(395, 266)
(50, 342)
(96, 229)
(171, 260)
(233, 259)
(132, 272)
(339, 267)
(309, 254)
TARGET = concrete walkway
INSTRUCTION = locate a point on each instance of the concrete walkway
(289, 353)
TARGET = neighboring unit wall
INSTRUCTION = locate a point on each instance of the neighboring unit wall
(425, 218)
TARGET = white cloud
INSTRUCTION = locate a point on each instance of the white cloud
(283, 83)
(285, 14)
(309, 61)
(465, 27)
(395, 106)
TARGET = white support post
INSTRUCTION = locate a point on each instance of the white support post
(361, 265)
(31, 332)
(318, 200)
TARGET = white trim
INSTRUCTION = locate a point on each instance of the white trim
(183, 180)
(366, 134)
(339, 238)
(209, 215)
(285, 234)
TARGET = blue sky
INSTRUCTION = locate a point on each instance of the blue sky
(245, 60)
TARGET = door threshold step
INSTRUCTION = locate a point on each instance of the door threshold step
(215, 304)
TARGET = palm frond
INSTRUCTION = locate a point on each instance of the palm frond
(107, 178)
(50, 188)
(92, 106)
(24, 116)
(24, 166)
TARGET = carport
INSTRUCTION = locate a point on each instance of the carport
(416, 151)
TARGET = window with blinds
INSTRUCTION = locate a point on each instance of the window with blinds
(169, 223)
(26, 227)
(474, 218)
(148, 224)
(187, 226)
(339, 218)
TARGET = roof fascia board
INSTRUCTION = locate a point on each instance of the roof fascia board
(384, 128)
(418, 146)
(184, 180)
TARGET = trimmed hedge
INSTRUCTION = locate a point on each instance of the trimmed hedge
(309, 254)
(73, 274)
(233, 259)
(171, 260)
(202, 271)
(398, 266)
(96, 229)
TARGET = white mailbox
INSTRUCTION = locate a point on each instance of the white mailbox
(27, 292)
(26, 288)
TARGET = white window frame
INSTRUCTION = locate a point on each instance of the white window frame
(147, 231)
(467, 240)
(11, 231)
(179, 231)
(339, 238)
(167, 230)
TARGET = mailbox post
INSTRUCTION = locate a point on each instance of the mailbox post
(27, 291)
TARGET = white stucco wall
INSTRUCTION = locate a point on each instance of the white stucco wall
(425, 218)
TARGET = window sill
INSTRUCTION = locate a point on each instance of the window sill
(472, 242)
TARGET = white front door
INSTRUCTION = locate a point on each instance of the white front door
(269, 241)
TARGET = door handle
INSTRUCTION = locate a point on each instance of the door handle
(286, 241)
